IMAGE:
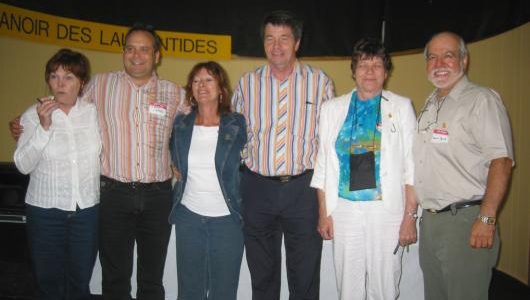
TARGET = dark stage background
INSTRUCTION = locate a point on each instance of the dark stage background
(330, 26)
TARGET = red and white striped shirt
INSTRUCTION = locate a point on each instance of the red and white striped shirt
(257, 97)
(135, 125)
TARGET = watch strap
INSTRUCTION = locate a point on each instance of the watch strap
(487, 220)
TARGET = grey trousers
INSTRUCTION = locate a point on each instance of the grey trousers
(452, 270)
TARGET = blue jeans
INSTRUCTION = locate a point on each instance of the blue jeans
(209, 254)
(63, 247)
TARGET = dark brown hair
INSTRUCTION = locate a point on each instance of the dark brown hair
(220, 75)
(70, 61)
(368, 48)
(283, 18)
(157, 43)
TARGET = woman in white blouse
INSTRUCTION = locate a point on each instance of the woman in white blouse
(364, 177)
(60, 149)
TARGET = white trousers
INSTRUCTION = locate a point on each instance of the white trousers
(365, 236)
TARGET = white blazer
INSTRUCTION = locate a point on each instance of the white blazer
(397, 166)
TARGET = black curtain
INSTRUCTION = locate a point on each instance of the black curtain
(330, 26)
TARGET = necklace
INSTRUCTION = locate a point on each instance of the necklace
(438, 103)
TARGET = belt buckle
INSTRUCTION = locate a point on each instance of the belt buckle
(285, 178)
(432, 210)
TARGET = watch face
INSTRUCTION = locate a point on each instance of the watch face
(488, 220)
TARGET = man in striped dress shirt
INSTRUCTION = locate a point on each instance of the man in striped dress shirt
(281, 102)
(135, 113)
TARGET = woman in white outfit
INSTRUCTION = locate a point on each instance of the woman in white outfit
(364, 177)
(60, 149)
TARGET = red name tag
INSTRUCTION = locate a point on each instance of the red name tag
(440, 136)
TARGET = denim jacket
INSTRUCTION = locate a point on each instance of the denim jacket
(232, 138)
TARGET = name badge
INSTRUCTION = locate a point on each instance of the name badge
(158, 109)
(440, 136)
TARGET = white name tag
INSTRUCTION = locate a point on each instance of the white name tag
(158, 109)
(440, 136)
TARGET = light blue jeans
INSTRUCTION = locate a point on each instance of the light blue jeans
(209, 254)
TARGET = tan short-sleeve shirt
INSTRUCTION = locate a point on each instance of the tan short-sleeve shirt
(456, 140)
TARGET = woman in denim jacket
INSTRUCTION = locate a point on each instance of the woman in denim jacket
(206, 150)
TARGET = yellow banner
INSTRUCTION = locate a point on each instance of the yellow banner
(35, 26)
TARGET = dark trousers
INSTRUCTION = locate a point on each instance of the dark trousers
(63, 247)
(129, 213)
(272, 209)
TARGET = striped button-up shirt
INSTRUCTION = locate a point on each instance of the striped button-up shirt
(257, 96)
(135, 125)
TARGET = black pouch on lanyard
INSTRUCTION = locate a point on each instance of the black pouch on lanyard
(362, 171)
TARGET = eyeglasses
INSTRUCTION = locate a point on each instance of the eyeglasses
(438, 102)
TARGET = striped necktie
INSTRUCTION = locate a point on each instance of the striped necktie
(281, 128)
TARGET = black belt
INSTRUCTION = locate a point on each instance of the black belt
(136, 185)
(282, 178)
(455, 206)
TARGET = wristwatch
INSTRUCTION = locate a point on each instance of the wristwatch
(487, 220)
(413, 214)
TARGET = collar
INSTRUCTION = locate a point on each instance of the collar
(297, 69)
(79, 104)
(455, 91)
(385, 95)
(454, 94)
(152, 81)
(459, 87)
(189, 119)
